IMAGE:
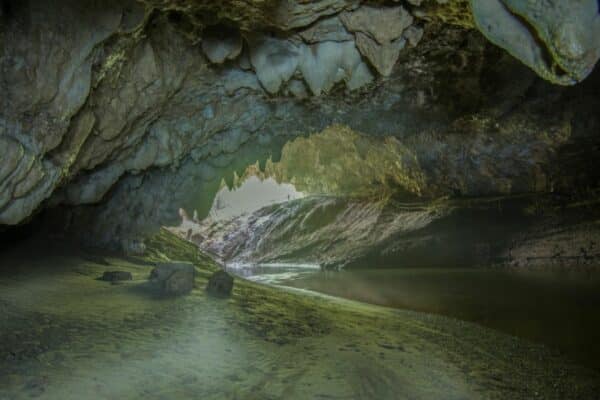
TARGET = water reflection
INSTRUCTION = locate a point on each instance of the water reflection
(559, 309)
(272, 273)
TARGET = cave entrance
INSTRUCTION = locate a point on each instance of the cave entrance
(233, 205)
(251, 195)
(352, 216)
(299, 197)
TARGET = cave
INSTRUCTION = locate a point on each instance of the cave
(299, 199)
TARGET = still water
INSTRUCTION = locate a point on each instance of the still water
(558, 309)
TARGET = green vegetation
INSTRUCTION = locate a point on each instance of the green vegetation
(273, 315)
(341, 162)
(165, 246)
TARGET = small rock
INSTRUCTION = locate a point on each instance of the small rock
(176, 278)
(116, 276)
(220, 284)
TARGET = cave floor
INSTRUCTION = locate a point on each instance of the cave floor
(66, 335)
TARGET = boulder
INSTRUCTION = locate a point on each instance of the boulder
(116, 276)
(220, 284)
(174, 278)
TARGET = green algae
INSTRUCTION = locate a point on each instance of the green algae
(66, 335)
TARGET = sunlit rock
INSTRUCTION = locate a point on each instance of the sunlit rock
(339, 161)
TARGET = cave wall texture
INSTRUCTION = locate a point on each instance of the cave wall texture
(128, 110)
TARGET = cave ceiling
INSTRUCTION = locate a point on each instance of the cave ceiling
(113, 102)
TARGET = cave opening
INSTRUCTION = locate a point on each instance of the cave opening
(299, 200)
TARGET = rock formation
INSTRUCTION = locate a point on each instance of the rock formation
(133, 109)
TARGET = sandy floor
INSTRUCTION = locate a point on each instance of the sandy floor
(65, 335)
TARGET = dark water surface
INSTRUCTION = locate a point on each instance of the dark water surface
(558, 309)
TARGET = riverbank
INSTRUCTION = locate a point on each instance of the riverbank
(66, 335)
(556, 308)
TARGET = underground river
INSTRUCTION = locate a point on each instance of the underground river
(67, 335)
(558, 309)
